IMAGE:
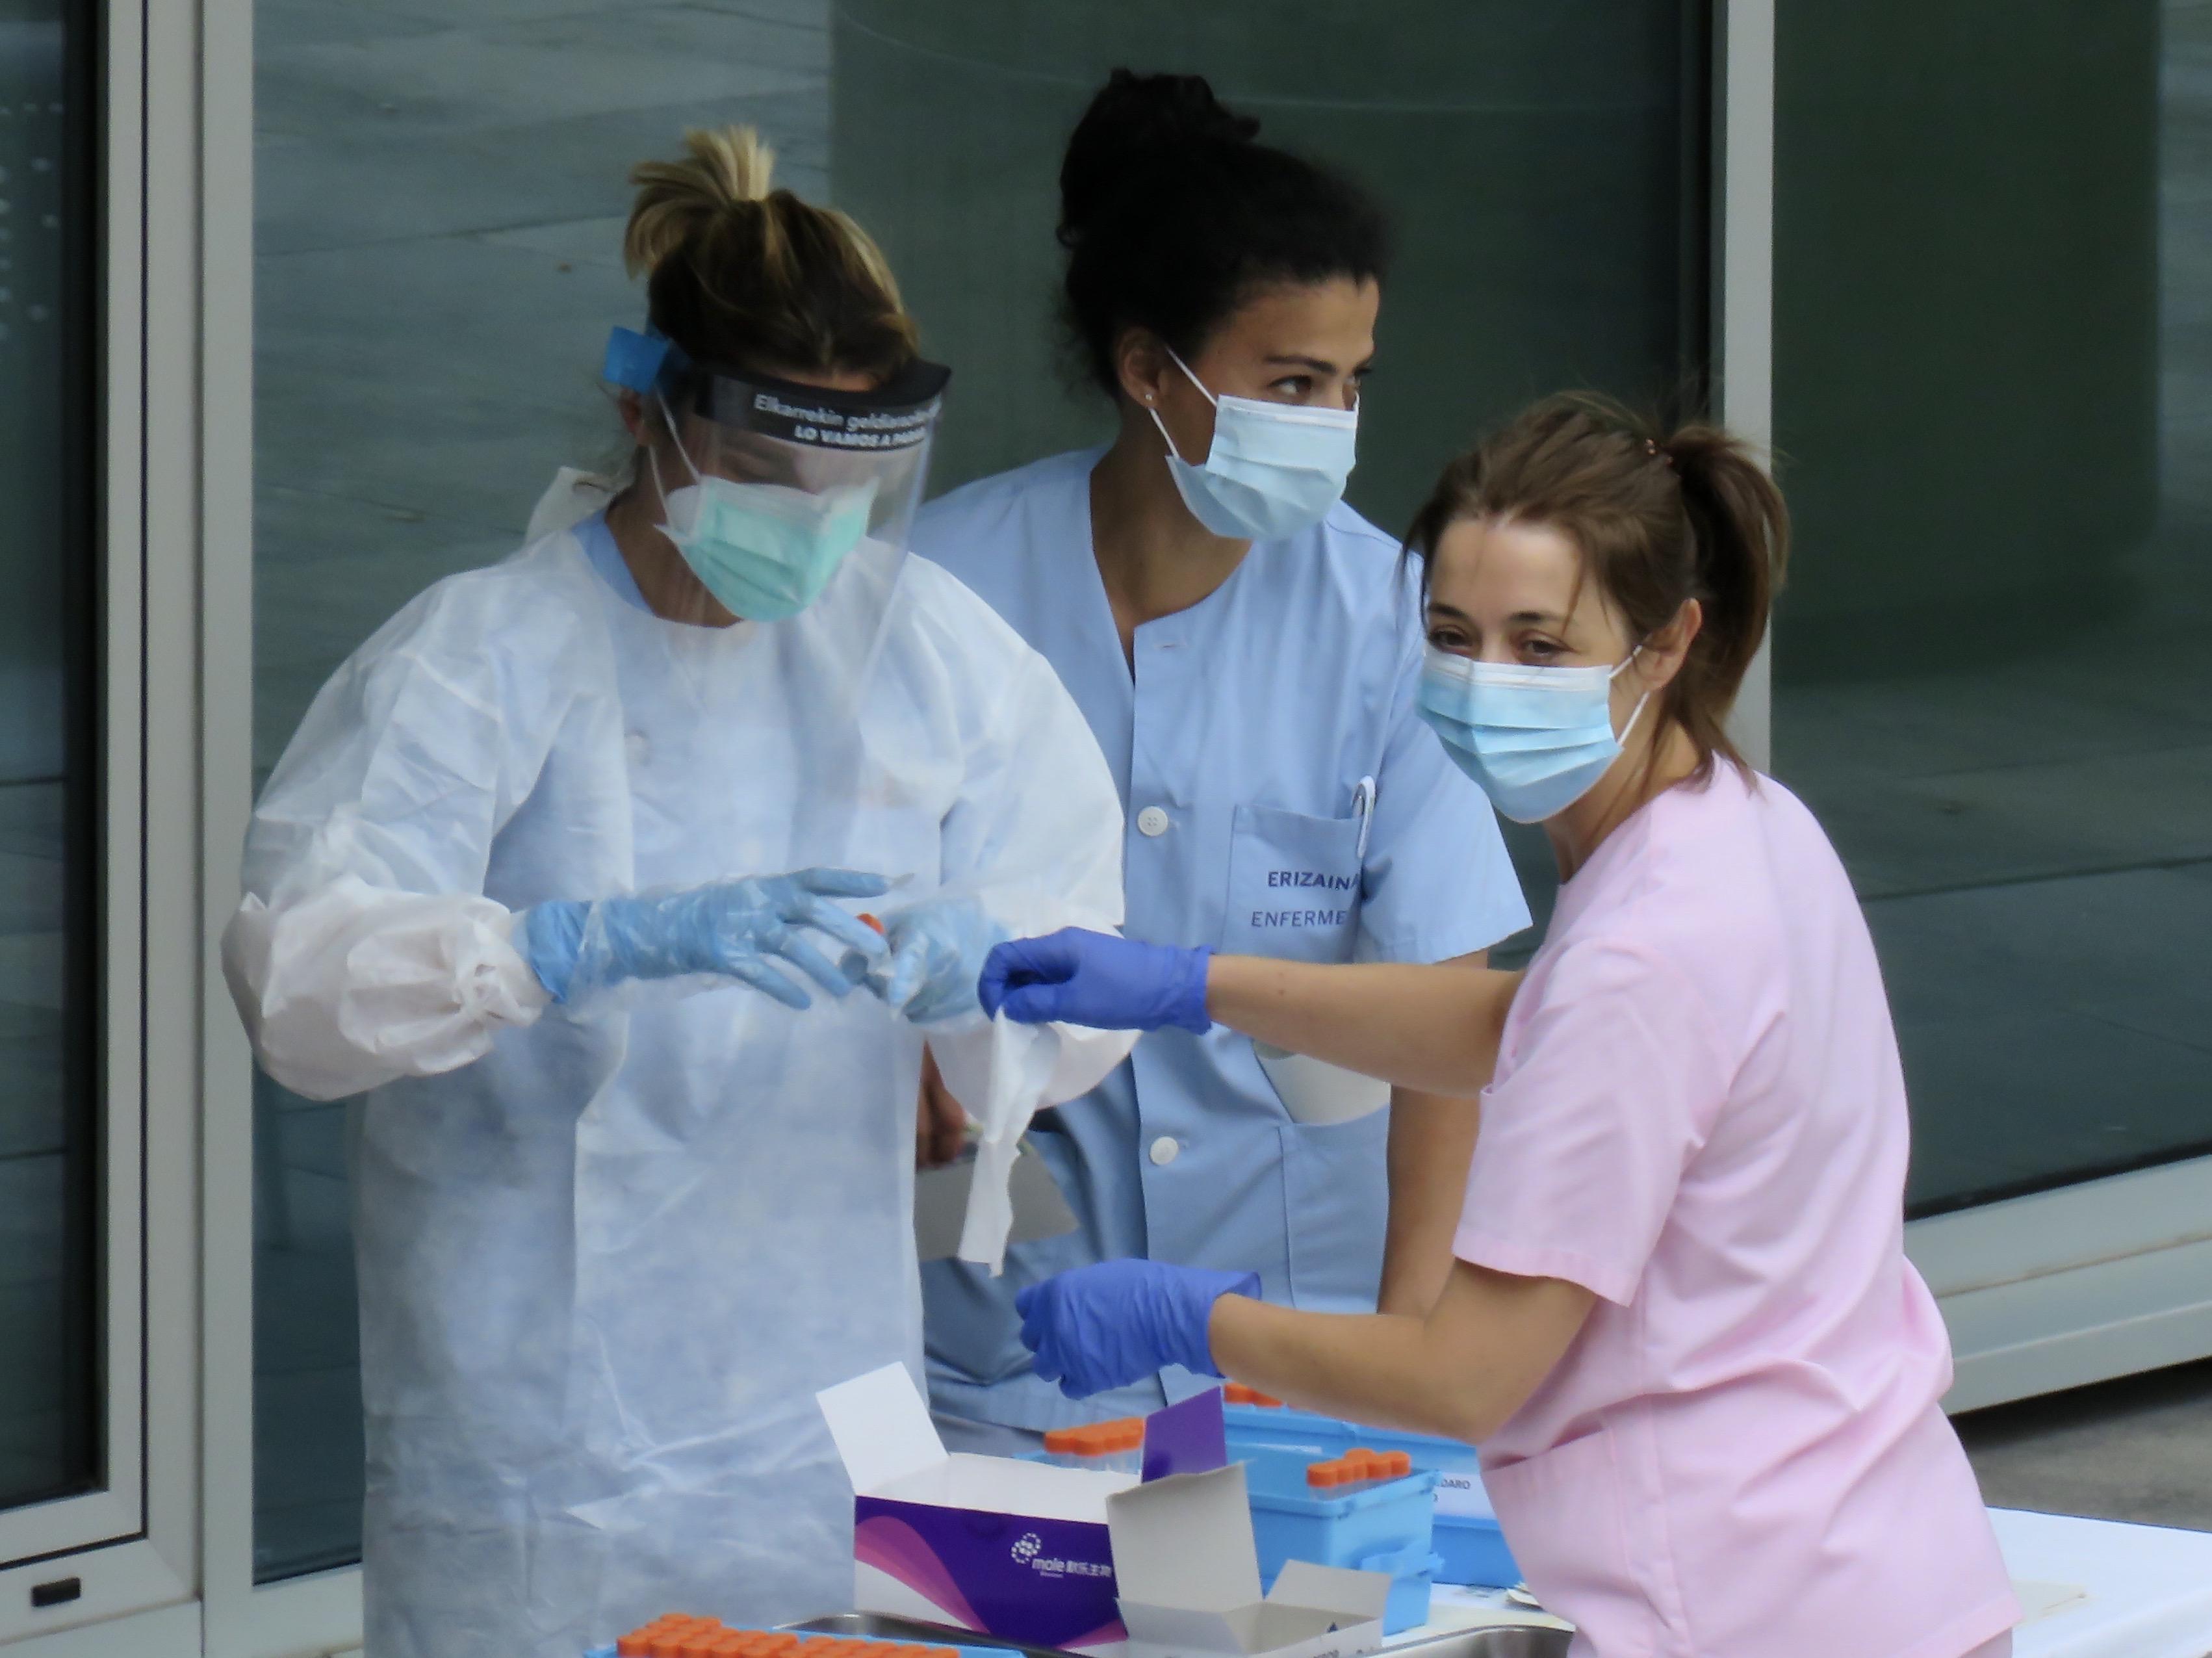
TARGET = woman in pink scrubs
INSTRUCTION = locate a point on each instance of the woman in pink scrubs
(1704, 1377)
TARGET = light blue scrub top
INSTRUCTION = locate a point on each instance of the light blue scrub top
(598, 543)
(1241, 739)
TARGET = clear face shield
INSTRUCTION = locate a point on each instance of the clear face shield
(779, 482)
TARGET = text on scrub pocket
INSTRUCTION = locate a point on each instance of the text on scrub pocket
(1265, 918)
(1311, 878)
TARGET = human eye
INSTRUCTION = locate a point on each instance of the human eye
(1447, 635)
(1538, 649)
(1294, 389)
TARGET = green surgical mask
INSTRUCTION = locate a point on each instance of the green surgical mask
(765, 550)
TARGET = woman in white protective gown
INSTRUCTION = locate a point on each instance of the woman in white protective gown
(563, 874)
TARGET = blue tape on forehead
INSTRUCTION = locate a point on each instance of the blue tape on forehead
(634, 360)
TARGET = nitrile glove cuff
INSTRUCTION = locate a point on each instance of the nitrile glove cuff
(551, 937)
(1200, 1287)
(1186, 1000)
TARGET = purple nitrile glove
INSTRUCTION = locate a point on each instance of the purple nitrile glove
(1098, 979)
(1118, 1322)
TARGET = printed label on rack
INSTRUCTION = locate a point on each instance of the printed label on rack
(1459, 1494)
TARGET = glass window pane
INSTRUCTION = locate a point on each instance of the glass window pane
(441, 196)
(50, 1294)
(1993, 395)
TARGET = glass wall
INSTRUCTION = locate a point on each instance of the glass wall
(441, 194)
(49, 1296)
(1993, 396)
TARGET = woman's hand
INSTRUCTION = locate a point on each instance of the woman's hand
(1434, 1028)
(940, 1124)
(936, 953)
(1109, 982)
(747, 929)
(1117, 1322)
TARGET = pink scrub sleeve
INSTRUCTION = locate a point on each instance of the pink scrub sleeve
(1583, 1145)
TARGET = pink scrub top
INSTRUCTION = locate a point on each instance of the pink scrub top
(1698, 1116)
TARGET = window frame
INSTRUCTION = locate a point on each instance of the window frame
(131, 1546)
(319, 1611)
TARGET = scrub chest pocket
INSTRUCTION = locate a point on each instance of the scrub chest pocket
(1293, 886)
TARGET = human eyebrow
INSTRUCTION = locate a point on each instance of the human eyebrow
(1319, 365)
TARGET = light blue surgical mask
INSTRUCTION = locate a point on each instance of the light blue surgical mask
(1536, 740)
(1274, 468)
(766, 551)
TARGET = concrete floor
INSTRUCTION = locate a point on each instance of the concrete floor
(2139, 1449)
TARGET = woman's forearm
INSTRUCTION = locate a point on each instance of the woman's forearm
(1431, 1143)
(1459, 1372)
(1369, 1368)
(1435, 1028)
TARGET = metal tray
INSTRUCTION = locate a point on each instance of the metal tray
(1499, 1641)
(912, 1630)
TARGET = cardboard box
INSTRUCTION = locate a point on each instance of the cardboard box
(1018, 1550)
(1095, 1562)
(1188, 1573)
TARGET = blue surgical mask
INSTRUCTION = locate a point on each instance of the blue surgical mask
(1274, 468)
(1536, 740)
(766, 551)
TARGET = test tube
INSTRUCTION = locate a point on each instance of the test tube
(1358, 1470)
(1115, 1447)
(1236, 1393)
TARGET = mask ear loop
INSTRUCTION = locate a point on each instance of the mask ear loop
(1155, 413)
(1191, 377)
(653, 459)
(668, 417)
(1636, 713)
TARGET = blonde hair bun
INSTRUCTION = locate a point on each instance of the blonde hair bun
(728, 168)
(740, 273)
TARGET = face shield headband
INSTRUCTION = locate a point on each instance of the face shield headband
(898, 415)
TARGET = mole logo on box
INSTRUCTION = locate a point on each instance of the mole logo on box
(1029, 1551)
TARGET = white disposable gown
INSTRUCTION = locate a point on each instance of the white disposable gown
(608, 1255)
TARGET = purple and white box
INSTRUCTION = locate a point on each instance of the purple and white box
(1190, 1579)
(1018, 1550)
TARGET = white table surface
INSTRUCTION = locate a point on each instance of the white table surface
(2091, 1589)
(2130, 1591)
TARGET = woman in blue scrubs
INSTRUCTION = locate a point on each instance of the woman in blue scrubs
(1247, 649)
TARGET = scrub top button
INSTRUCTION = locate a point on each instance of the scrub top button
(1153, 821)
(1165, 1150)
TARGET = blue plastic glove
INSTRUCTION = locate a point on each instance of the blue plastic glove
(730, 928)
(1107, 983)
(1117, 1322)
(937, 952)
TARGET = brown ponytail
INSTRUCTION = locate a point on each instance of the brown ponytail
(742, 277)
(1661, 517)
